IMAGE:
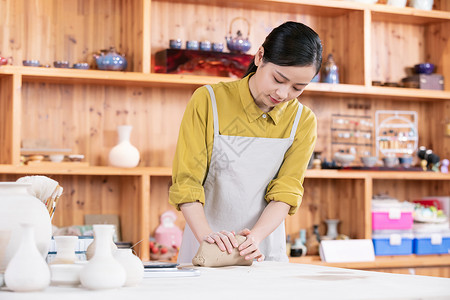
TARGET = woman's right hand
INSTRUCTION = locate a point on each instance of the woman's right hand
(224, 239)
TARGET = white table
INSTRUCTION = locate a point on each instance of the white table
(266, 280)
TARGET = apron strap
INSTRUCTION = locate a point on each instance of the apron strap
(297, 119)
(214, 107)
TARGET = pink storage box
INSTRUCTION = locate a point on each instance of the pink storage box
(392, 214)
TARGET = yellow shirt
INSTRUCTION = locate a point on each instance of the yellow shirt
(240, 116)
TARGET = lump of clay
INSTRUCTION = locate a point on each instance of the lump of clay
(209, 255)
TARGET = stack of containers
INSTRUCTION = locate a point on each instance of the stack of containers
(431, 231)
(392, 223)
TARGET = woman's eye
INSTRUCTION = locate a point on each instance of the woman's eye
(296, 89)
(276, 80)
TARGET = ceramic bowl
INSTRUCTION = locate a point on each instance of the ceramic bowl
(76, 157)
(369, 161)
(424, 68)
(81, 66)
(344, 159)
(61, 64)
(397, 3)
(390, 162)
(192, 45)
(405, 161)
(205, 45)
(56, 157)
(31, 63)
(175, 44)
(217, 47)
(66, 274)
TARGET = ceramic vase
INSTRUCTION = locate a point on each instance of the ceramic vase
(65, 249)
(330, 73)
(103, 271)
(132, 264)
(27, 271)
(18, 206)
(332, 232)
(124, 154)
(90, 251)
(5, 235)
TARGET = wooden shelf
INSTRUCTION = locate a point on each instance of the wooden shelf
(109, 171)
(71, 76)
(382, 262)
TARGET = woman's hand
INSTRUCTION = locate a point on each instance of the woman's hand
(250, 248)
(224, 239)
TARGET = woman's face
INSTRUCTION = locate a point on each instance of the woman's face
(273, 84)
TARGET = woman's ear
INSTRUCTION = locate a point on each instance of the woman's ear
(259, 56)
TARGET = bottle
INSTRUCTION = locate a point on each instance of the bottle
(330, 73)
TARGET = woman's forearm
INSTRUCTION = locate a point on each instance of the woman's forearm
(272, 216)
(194, 215)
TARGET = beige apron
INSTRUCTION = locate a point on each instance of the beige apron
(240, 170)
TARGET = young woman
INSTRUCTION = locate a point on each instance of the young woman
(243, 149)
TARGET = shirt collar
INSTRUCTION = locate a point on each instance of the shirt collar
(252, 111)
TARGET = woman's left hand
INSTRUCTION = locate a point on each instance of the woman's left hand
(250, 248)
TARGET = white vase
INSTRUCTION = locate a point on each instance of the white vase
(65, 249)
(332, 232)
(18, 206)
(124, 154)
(27, 271)
(90, 251)
(5, 235)
(103, 271)
(132, 265)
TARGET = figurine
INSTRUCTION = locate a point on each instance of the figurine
(167, 233)
(423, 164)
(444, 166)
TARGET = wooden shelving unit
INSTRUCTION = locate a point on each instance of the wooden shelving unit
(80, 109)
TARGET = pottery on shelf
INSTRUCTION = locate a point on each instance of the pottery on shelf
(238, 43)
(332, 232)
(124, 154)
(167, 233)
(103, 271)
(65, 249)
(110, 60)
(18, 206)
(330, 71)
(132, 264)
(27, 271)
(90, 251)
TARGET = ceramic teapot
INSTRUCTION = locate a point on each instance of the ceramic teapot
(110, 60)
(238, 44)
(6, 60)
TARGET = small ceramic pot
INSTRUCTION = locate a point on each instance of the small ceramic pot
(369, 161)
(397, 3)
(422, 4)
(406, 161)
(390, 162)
(81, 66)
(61, 64)
(217, 47)
(175, 44)
(192, 45)
(56, 157)
(31, 63)
(205, 45)
(424, 68)
(76, 157)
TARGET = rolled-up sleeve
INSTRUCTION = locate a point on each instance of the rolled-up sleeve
(191, 156)
(288, 185)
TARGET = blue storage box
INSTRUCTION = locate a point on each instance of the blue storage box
(431, 243)
(393, 243)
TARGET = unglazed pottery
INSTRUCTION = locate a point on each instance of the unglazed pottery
(124, 154)
(132, 264)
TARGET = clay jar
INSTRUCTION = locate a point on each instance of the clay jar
(132, 265)
(124, 154)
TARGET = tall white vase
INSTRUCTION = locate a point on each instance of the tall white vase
(124, 154)
(132, 265)
(18, 206)
(332, 231)
(65, 249)
(27, 271)
(103, 271)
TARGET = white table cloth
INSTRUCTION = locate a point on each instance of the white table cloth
(265, 280)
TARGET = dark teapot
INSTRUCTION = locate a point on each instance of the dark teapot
(238, 44)
(110, 60)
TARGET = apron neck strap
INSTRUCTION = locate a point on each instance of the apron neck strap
(297, 119)
(214, 107)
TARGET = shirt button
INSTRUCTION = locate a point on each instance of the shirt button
(264, 116)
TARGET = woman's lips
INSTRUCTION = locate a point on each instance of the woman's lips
(274, 101)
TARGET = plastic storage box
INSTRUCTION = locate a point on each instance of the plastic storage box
(392, 215)
(393, 243)
(431, 243)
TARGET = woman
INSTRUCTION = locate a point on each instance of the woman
(243, 149)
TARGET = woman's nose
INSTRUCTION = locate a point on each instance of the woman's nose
(282, 92)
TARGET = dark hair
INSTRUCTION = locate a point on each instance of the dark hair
(291, 44)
